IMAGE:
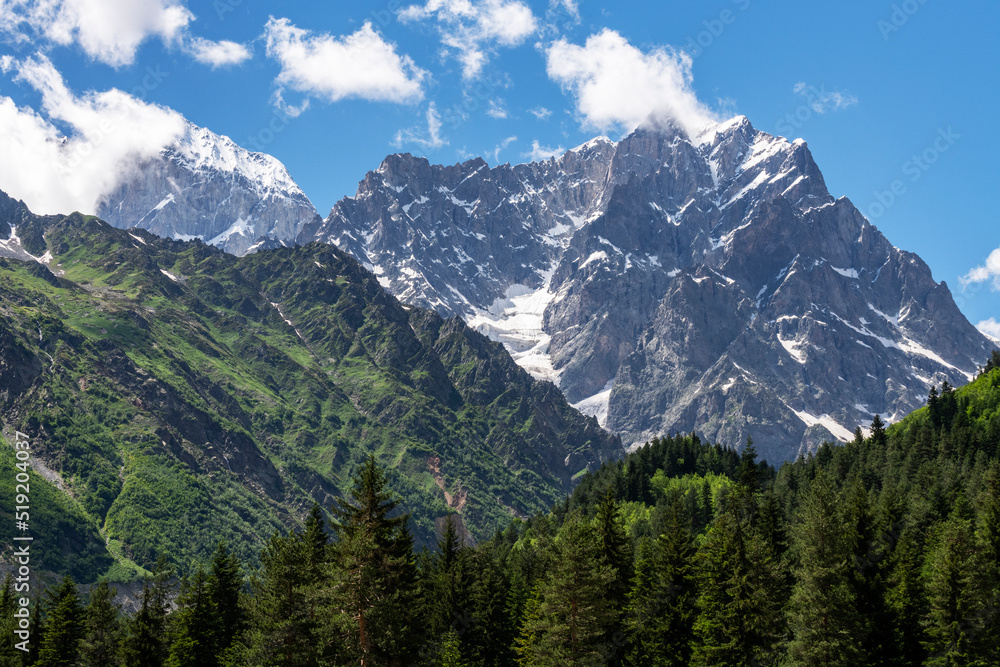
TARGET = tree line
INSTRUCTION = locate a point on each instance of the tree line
(883, 551)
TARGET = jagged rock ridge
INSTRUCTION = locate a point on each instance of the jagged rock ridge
(206, 187)
(669, 282)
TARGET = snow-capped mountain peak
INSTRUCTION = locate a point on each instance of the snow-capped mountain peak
(669, 282)
(205, 186)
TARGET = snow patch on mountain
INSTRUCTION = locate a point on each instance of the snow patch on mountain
(516, 321)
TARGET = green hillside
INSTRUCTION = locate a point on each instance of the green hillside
(182, 395)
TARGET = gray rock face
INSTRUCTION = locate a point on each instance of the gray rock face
(207, 187)
(671, 283)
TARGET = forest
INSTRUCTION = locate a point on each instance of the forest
(882, 551)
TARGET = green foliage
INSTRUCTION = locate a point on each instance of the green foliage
(63, 627)
(178, 412)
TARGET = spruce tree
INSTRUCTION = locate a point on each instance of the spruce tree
(573, 615)
(225, 586)
(877, 435)
(282, 619)
(617, 553)
(146, 642)
(661, 608)
(102, 628)
(986, 644)
(955, 613)
(827, 629)
(739, 621)
(372, 573)
(36, 626)
(491, 638)
(9, 655)
(194, 625)
(63, 626)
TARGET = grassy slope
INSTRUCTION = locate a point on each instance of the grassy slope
(180, 410)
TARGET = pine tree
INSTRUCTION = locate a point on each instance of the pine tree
(740, 595)
(877, 434)
(63, 626)
(955, 617)
(194, 625)
(573, 615)
(146, 642)
(661, 607)
(372, 573)
(102, 628)
(617, 553)
(282, 619)
(9, 655)
(225, 586)
(826, 626)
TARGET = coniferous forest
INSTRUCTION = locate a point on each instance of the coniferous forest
(885, 551)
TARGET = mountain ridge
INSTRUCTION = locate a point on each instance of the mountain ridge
(182, 394)
(584, 264)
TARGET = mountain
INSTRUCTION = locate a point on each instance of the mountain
(206, 187)
(671, 283)
(175, 394)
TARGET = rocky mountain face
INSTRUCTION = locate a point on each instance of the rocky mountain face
(671, 283)
(206, 187)
(175, 395)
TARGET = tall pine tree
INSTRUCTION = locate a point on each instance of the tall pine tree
(372, 574)
(63, 626)
(569, 626)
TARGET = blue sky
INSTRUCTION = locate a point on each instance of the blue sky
(897, 100)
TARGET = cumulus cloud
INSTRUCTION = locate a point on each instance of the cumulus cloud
(471, 31)
(360, 65)
(539, 152)
(429, 140)
(990, 328)
(616, 85)
(107, 30)
(822, 100)
(217, 54)
(990, 271)
(57, 172)
(111, 31)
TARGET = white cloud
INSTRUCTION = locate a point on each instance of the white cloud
(497, 110)
(278, 100)
(539, 152)
(822, 100)
(432, 139)
(617, 85)
(111, 31)
(217, 54)
(361, 65)
(107, 30)
(541, 113)
(471, 31)
(500, 148)
(988, 271)
(55, 172)
(990, 328)
(570, 7)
